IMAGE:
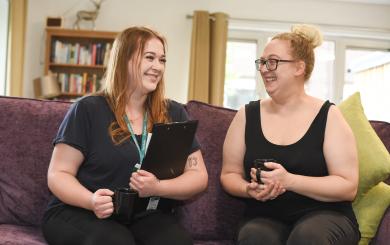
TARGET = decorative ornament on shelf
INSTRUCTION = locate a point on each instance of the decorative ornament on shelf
(46, 86)
(55, 22)
(91, 16)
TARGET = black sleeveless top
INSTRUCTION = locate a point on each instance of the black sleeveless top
(304, 157)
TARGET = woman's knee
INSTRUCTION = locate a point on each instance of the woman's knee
(249, 234)
(324, 228)
(261, 231)
(306, 234)
(112, 237)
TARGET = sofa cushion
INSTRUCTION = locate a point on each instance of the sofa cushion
(21, 235)
(382, 130)
(27, 128)
(374, 167)
(213, 215)
(382, 236)
(374, 159)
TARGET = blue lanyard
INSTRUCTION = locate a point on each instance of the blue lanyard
(142, 149)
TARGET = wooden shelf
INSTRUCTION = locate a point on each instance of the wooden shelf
(76, 57)
(81, 33)
(77, 66)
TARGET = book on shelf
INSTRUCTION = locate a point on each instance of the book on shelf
(78, 83)
(80, 54)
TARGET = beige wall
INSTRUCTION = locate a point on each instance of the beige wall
(169, 18)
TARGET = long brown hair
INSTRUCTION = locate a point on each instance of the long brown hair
(303, 40)
(130, 45)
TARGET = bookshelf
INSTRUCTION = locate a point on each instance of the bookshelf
(77, 58)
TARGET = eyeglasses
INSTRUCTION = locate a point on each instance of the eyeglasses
(271, 64)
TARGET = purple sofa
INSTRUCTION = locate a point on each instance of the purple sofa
(27, 127)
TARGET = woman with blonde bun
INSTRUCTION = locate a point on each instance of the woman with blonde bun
(304, 196)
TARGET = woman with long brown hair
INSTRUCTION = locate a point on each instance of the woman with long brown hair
(100, 142)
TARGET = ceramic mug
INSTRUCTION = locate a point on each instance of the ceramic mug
(258, 164)
(124, 200)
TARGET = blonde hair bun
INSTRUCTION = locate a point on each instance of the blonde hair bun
(309, 32)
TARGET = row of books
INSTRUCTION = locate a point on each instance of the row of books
(78, 83)
(78, 54)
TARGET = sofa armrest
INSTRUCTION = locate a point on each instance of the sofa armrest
(382, 236)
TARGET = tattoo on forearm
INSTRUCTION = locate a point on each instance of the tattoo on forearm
(192, 162)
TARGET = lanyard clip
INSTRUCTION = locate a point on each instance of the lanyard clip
(136, 167)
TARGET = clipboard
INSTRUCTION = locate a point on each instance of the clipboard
(169, 148)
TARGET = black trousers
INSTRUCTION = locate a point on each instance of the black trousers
(68, 225)
(319, 228)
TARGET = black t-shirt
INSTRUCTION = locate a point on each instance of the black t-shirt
(105, 165)
(304, 157)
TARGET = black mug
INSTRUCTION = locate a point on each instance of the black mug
(258, 164)
(124, 200)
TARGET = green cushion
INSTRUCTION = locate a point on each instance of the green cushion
(370, 209)
(372, 198)
(364, 241)
(374, 159)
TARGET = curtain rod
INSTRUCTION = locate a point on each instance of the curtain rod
(351, 27)
(190, 16)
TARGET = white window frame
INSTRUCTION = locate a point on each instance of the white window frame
(343, 36)
(4, 19)
(253, 40)
(342, 44)
(261, 39)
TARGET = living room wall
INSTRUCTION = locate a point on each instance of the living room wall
(169, 18)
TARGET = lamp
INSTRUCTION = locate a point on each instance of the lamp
(46, 87)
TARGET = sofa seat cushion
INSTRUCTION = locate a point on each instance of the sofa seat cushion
(213, 215)
(27, 129)
(21, 235)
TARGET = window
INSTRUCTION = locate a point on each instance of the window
(240, 74)
(242, 84)
(368, 71)
(349, 60)
(4, 7)
(321, 80)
